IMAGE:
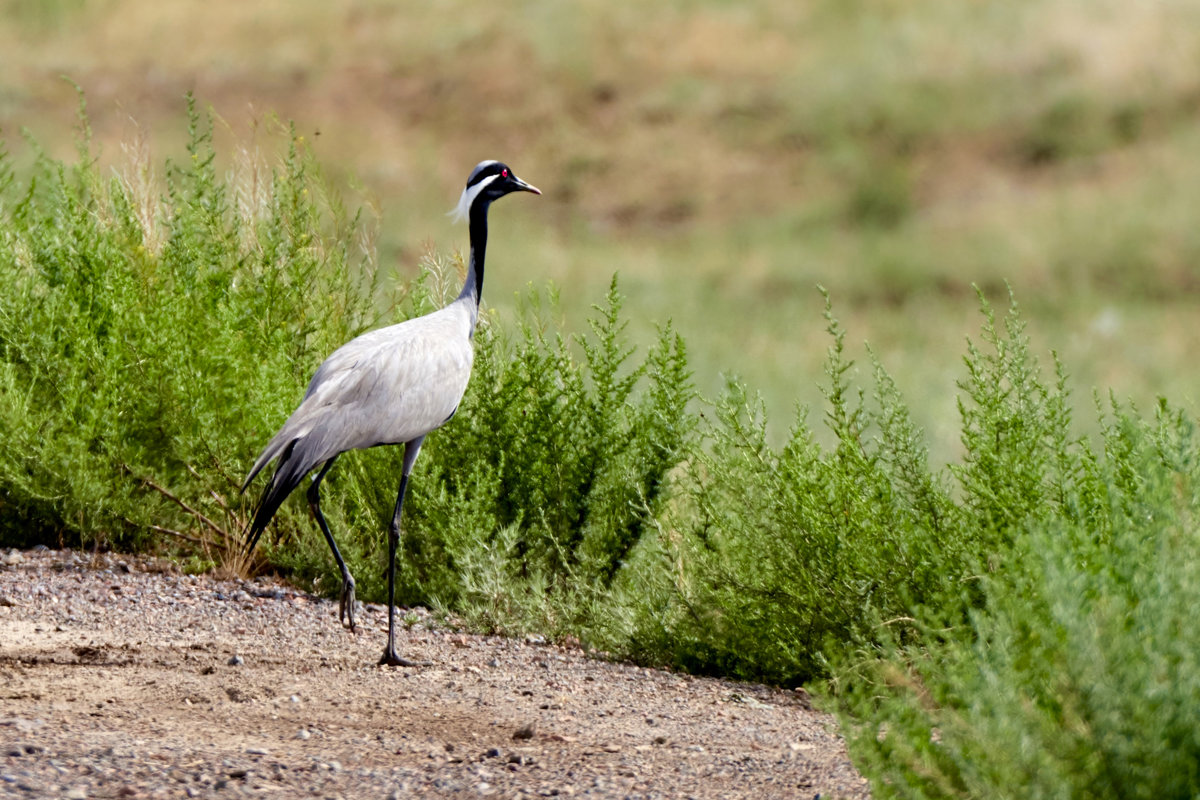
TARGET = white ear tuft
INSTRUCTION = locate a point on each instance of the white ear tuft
(463, 209)
(460, 211)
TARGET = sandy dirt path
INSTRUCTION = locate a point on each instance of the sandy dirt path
(120, 678)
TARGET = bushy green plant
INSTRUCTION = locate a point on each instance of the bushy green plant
(788, 557)
(785, 552)
(1078, 675)
(1063, 667)
(146, 339)
(151, 342)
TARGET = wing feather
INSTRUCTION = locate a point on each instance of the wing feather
(387, 386)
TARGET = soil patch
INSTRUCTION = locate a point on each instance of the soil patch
(120, 678)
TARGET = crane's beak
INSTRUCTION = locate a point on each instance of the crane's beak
(521, 186)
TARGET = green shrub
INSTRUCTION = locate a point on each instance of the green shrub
(146, 340)
(151, 343)
(790, 557)
(1078, 676)
(776, 556)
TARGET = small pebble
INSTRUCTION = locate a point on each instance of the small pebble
(236, 661)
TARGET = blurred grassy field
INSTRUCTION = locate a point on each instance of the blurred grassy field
(725, 158)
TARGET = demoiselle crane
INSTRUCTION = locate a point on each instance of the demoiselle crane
(388, 386)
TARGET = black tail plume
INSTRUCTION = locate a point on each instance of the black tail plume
(288, 475)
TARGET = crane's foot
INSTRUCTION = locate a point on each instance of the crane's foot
(390, 659)
(346, 608)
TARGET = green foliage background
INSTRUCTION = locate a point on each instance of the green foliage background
(1020, 621)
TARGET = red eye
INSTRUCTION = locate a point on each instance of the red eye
(503, 173)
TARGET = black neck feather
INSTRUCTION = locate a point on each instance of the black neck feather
(478, 234)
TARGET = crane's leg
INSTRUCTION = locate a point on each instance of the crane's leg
(411, 449)
(346, 607)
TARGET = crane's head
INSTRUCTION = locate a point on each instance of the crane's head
(489, 181)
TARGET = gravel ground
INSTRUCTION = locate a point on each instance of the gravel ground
(120, 678)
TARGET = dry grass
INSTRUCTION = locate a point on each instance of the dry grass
(693, 114)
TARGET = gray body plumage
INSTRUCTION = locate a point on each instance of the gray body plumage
(389, 386)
